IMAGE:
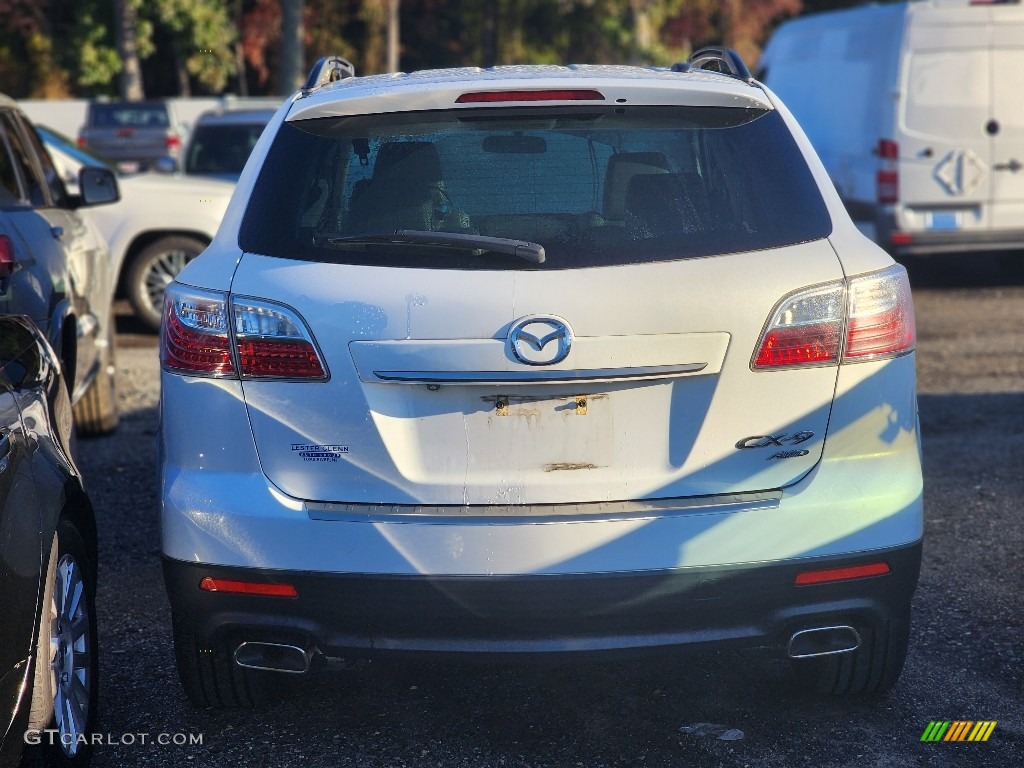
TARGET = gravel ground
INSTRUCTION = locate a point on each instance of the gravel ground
(966, 659)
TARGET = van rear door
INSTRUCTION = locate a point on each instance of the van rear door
(944, 150)
(1007, 137)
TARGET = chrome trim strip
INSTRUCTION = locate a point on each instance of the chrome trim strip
(516, 514)
(536, 377)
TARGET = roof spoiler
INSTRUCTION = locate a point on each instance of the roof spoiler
(328, 70)
(716, 58)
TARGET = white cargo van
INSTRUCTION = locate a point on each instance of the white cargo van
(917, 110)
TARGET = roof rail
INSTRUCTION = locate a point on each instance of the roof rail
(716, 58)
(327, 70)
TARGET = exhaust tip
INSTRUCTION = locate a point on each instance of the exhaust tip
(273, 657)
(823, 641)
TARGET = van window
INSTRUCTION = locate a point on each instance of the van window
(593, 185)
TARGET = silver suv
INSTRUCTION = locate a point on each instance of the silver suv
(538, 361)
(54, 265)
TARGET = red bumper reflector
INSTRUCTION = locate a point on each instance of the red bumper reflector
(841, 574)
(901, 238)
(248, 587)
(479, 97)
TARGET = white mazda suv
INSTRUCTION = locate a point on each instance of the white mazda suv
(538, 360)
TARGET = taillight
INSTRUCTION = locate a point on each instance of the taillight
(869, 317)
(880, 320)
(269, 341)
(8, 262)
(82, 142)
(887, 178)
(888, 149)
(273, 342)
(806, 328)
(194, 334)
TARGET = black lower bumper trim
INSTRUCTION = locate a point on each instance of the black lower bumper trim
(346, 615)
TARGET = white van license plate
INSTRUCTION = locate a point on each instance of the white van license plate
(941, 220)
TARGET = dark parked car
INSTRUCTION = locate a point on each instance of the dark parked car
(222, 141)
(132, 134)
(48, 654)
(55, 265)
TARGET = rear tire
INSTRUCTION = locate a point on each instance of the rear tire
(96, 412)
(153, 269)
(210, 676)
(872, 669)
(66, 682)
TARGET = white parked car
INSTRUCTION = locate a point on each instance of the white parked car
(161, 223)
(538, 360)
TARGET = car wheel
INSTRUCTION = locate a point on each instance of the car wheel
(152, 269)
(872, 669)
(66, 680)
(96, 413)
(210, 676)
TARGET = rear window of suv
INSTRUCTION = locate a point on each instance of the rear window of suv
(122, 115)
(594, 186)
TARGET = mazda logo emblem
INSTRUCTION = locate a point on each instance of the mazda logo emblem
(540, 340)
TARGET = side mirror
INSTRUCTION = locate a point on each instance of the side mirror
(165, 164)
(97, 186)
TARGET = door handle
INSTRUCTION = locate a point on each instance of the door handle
(1013, 166)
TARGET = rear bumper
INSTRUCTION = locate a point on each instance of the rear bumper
(865, 494)
(918, 242)
(343, 615)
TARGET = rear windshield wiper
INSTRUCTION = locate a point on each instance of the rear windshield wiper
(521, 248)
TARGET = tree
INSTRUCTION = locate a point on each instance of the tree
(260, 36)
(196, 36)
(740, 24)
(203, 37)
(292, 45)
(92, 38)
(59, 46)
(29, 63)
(374, 14)
(126, 23)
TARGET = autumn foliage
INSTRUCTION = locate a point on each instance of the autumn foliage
(54, 48)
